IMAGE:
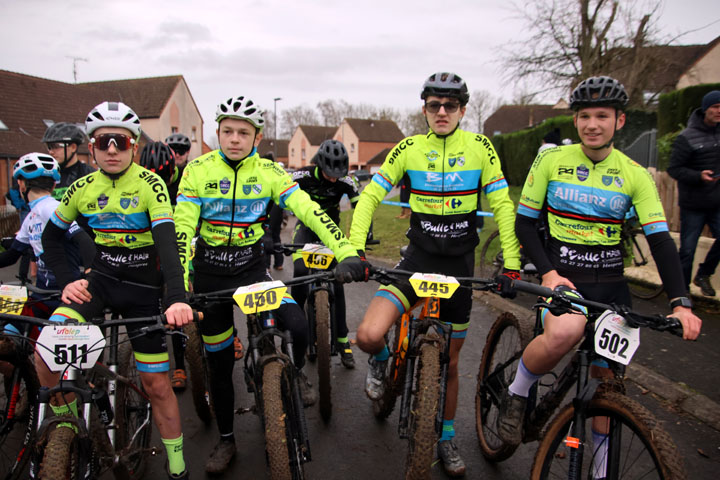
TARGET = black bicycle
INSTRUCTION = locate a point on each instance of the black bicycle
(637, 446)
(270, 373)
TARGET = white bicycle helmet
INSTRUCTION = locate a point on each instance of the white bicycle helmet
(241, 108)
(34, 165)
(113, 114)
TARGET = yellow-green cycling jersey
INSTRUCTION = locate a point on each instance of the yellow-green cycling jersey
(447, 174)
(231, 204)
(587, 202)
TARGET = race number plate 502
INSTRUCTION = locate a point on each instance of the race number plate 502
(433, 285)
(76, 345)
(260, 297)
(614, 339)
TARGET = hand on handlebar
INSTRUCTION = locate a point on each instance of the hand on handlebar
(353, 269)
(690, 322)
(179, 314)
(77, 292)
(505, 283)
(552, 280)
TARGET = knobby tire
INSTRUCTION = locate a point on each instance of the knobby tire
(276, 434)
(59, 462)
(322, 335)
(197, 370)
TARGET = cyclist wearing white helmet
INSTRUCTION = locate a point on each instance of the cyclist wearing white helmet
(63, 140)
(137, 264)
(228, 192)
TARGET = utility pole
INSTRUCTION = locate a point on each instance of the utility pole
(75, 61)
(275, 140)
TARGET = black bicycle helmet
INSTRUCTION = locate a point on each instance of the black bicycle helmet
(179, 143)
(599, 92)
(332, 158)
(159, 158)
(65, 133)
(446, 84)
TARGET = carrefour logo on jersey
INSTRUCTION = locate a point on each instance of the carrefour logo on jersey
(224, 185)
(609, 231)
(453, 203)
(128, 239)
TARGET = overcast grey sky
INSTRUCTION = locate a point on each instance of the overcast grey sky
(369, 51)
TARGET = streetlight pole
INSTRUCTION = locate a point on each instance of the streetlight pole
(275, 140)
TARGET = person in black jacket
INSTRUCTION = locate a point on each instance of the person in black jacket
(695, 164)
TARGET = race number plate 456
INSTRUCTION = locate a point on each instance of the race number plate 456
(614, 339)
(76, 345)
(260, 297)
(316, 256)
(433, 285)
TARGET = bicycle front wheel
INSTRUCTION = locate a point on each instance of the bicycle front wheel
(197, 368)
(18, 389)
(422, 433)
(491, 256)
(59, 459)
(133, 416)
(284, 443)
(505, 343)
(322, 336)
(637, 446)
(395, 375)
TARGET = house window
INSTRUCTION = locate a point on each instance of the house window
(292, 152)
(302, 152)
(174, 130)
(352, 148)
(3, 126)
(193, 135)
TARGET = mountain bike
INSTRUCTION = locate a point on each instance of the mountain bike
(417, 368)
(492, 260)
(270, 373)
(18, 379)
(114, 426)
(637, 446)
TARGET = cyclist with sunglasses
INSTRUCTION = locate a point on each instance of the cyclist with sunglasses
(137, 267)
(180, 144)
(63, 140)
(228, 192)
(447, 170)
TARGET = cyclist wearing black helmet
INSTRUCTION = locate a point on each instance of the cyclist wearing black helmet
(586, 189)
(63, 140)
(447, 168)
(326, 181)
(160, 158)
(180, 144)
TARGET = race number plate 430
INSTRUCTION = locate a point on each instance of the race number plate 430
(316, 256)
(76, 345)
(260, 297)
(433, 285)
(614, 339)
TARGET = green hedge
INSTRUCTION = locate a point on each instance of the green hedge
(675, 107)
(517, 150)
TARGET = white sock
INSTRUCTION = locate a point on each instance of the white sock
(524, 379)
(600, 448)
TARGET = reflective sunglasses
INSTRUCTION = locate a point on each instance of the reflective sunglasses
(121, 142)
(179, 149)
(434, 107)
(55, 146)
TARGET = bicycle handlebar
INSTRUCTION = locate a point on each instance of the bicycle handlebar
(226, 294)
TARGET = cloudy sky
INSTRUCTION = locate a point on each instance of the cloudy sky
(305, 51)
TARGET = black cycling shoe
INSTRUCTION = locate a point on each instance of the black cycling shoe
(346, 355)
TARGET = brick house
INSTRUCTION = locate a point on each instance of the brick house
(28, 105)
(364, 138)
(511, 118)
(267, 145)
(304, 143)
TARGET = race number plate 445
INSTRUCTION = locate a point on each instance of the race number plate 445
(614, 339)
(260, 297)
(433, 285)
(76, 345)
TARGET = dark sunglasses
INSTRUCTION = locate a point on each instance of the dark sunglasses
(121, 142)
(179, 149)
(434, 107)
(55, 146)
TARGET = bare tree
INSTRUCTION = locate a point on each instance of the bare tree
(299, 115)
(481, 105)
(574, 39)
(413, 122)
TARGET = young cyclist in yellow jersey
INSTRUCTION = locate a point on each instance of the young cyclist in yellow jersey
(228, 192)
(586, 190)
(447, 169)
(129, 210)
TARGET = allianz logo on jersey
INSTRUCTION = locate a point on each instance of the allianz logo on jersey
(616, 203)
(256, 208)
(451, 178)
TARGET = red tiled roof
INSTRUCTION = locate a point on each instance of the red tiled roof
(25, 101)
(511, 118)
(381, 131)
(317, 134)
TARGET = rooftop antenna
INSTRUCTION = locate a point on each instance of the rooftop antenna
(75, 62)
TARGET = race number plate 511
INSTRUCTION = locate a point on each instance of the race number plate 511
(76, 345)
(614, 339)
(260, 297)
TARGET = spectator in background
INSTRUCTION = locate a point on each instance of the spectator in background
(550, 140)
(695, 164)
